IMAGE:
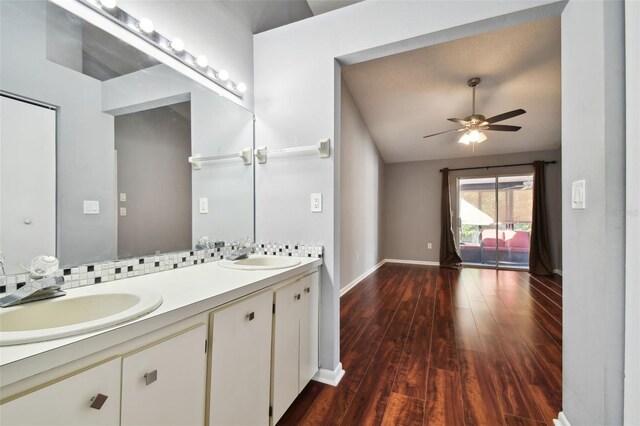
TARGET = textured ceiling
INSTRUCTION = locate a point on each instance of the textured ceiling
(406, 96)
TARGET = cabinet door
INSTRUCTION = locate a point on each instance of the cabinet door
(286, 342)
(165, 384)
(68, 402)
(241, 363)
(309, 329)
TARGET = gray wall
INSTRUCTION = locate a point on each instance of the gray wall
(85, 156)
(412, 201)
(152, 148)
(361, 190)
(593, 149)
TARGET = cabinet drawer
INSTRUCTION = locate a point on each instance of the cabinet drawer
(68, 401)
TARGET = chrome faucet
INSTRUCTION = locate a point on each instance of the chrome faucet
(245, 248)
(45, 288)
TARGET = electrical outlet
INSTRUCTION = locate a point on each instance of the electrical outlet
(123, 211)
(316, 203)
(429, 246)
(204, 205)
(123, 196)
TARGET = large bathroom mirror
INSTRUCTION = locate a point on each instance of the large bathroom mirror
(94, 146)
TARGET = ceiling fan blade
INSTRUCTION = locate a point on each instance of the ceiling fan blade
(505, 116)
(446, 131)
(501, 128)
(459, 121)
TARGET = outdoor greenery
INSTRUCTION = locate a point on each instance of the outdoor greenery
(470, 234)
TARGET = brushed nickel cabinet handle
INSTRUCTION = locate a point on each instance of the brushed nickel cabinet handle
(98, 401)
(251, 316)
(307, 290)
(296, 297)
(151, 377)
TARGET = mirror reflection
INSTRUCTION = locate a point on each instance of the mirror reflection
(94, 147)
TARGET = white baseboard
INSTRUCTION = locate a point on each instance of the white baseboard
(329, 377)
(558, 271)
(413, 262)
(561, 420)
(357, 281)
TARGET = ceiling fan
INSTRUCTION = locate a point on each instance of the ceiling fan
(475, 124)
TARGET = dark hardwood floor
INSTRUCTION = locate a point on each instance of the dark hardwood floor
(425, 345)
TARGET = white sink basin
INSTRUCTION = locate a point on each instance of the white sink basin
(260, 262)
(73, 314)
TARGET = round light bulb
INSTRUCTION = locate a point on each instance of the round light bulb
(241, 87)
(146, 25)
(108, 4)
(177, 45)
(223, 75)
(202, 61)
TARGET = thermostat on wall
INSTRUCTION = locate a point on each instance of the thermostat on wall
(91, 207)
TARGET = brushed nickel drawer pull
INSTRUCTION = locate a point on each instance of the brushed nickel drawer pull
(251, 316)
(296, 297)
(98, 401)
(307, 290)
(151, 377)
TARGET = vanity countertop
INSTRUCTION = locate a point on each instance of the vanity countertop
(186, 292)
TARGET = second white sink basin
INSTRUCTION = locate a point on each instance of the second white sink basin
(73, 314)
(261, 262)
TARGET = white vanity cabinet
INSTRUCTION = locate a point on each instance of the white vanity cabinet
(165, 383)
(88, 397)
(295, 341)
(241, 362)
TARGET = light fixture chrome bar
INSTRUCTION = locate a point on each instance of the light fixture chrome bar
(323, 147)
(197, 160)
(133, 25)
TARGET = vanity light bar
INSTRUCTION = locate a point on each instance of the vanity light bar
(144, 29)
(323, 147)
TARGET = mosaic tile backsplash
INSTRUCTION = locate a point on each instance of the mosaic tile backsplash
(76, 276)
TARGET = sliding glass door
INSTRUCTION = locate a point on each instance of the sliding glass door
(494, 220)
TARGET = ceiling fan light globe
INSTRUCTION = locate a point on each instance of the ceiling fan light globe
(464, 139)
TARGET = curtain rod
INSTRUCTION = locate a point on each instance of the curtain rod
(496, 167)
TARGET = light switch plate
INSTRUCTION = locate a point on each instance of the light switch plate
(204, 205)
(578, 195)
(123, 196)
(91, 207)
(123, 211)
(316, 203)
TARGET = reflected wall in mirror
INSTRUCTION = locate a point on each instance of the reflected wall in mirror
(116, 130)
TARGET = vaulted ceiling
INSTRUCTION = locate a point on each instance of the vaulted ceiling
(406, 96)
(264, 15)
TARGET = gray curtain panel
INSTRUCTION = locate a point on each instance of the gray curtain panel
(449, 257)
(539, 253)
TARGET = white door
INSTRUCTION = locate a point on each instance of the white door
(69, 401)
(27, 182)
(241, 363)
(165, 384)
(286, 343)
(309, 329)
